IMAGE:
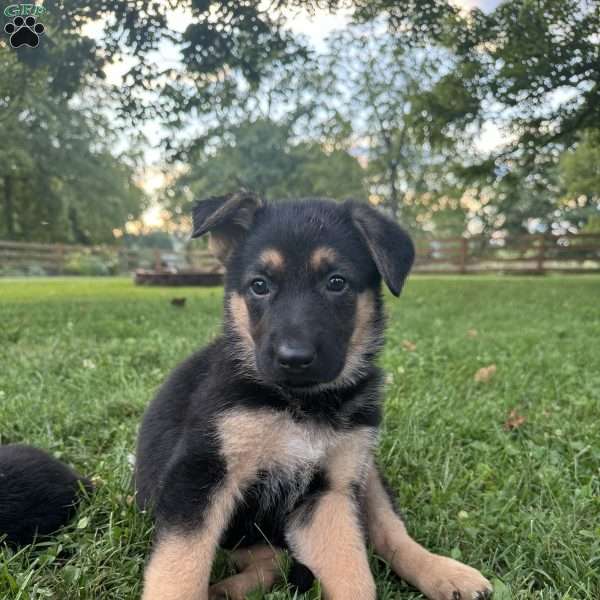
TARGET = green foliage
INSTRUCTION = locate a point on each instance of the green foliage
(85, 263)
(368, 88)
(407, 86)
(81, 358)
(59, 177)
(531, 66)
(263, 156)
(580, 167)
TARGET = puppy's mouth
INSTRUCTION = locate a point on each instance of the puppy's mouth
(298, 382)
(298, 385)
(305, 382)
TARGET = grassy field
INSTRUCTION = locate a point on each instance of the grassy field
(80, 359)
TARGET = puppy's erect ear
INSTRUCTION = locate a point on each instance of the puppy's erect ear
(390, 246)
(227, 218)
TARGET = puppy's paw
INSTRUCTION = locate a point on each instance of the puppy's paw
(228, 589)
(448, 579)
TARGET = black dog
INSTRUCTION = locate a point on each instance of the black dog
(265, 439)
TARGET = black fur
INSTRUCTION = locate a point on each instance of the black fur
(301, 577)
(38, 494)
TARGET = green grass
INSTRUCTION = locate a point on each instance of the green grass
(80, 358)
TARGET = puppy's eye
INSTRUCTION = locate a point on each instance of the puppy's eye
(336, 283)
(260, 287)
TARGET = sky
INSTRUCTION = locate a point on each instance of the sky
(484, 5)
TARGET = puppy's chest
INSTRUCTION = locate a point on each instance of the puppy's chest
(261, 440)
(279, 451)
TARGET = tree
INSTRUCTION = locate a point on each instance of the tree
(59, 178)
(579, 169)
(263, 156)
(530, 66)
(368, 87)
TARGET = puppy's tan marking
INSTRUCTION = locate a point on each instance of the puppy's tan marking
(321, 257)
(272, 259)
(180, 564)
(241, 324)
(438, 577)
(264, 439)
(259, 568)
(349, 461)
(332, 546)
(362, 339)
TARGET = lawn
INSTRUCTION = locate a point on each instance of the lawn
(516, 496)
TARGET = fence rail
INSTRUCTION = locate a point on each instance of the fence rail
(538, 254)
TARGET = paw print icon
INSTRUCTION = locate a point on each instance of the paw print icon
(24, 32)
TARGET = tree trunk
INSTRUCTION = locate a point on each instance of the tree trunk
(394, 200)
(8, 207)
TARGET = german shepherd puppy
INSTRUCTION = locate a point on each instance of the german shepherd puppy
(265, 439)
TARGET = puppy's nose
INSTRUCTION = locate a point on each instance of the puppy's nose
(295, 357)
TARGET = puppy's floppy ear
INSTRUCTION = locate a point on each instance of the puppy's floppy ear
(390, 246)
(227, 218)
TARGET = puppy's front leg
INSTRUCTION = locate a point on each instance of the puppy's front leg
(325, 535)
(438, 577)
(190, 522)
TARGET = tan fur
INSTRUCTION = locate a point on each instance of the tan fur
(438, 577)
(332, 546)
(265, 439)
(180, 564)
(272, 259)
(362, 337)
(321, 257)
(259, 568)
(245, 557)
(349, 461)
(241, 323)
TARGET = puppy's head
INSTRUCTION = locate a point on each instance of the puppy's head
(302, 289)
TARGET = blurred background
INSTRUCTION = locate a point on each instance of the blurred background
(475, 123)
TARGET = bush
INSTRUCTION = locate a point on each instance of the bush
(31, 270)
(85, 263)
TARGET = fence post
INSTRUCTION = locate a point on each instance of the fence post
(464, 254)
(60, 263)
(157, 262)
(541, 253)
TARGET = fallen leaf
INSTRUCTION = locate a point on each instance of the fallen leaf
(514, 420)
(97, 481)
(409, 346)
(472, 333)
(485, 374)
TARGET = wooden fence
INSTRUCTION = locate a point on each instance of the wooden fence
(65, 259)
(527, 254)
(536, 254)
